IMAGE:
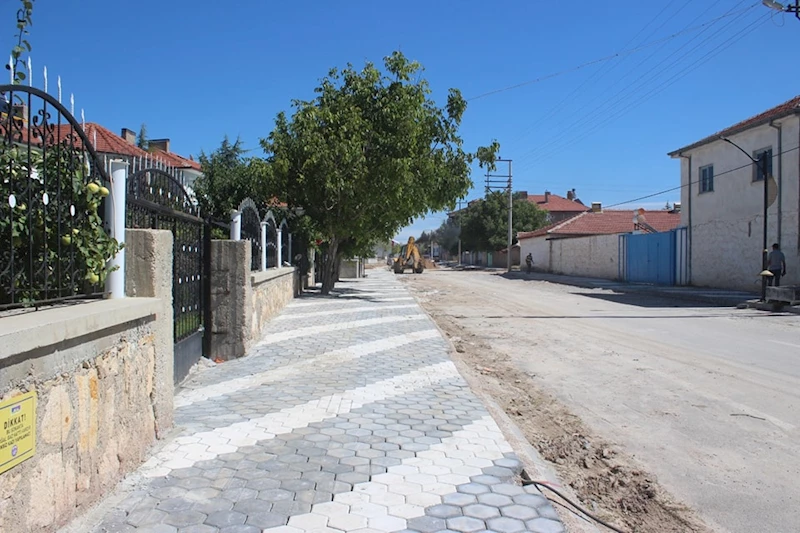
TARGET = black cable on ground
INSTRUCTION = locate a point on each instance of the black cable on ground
(575, 505)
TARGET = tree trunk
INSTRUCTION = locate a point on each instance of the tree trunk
(329, 262)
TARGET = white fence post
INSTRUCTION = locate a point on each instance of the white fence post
(263, 246)
(289, 249)
(115, 215)
(236, 225)
(279, 231)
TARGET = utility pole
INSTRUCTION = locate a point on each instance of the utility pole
(761, 164)
(503, 182)
(459, 232)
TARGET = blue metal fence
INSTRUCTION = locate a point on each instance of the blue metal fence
(654, 258)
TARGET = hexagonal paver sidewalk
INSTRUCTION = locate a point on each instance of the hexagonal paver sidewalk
(348, 415)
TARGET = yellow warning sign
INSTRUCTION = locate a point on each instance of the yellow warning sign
(17, 430)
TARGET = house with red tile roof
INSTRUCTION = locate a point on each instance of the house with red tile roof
(588, 243)
(558, 207)
(722, 194)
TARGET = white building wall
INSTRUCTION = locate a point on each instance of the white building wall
(596, 256)
(726, 225)
(539, 248)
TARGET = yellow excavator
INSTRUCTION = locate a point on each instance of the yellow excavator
(409, 257)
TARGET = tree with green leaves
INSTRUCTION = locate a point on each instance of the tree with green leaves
(447, 235)
(228, 178)
(371, 152)
(24, 20)
(141, 140)
(484, 225)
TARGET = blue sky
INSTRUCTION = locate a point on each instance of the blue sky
(197, 70)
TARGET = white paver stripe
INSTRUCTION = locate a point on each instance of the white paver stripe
(333, 312)
(335, 357)
(405, 490)
(314, 330)
(185, 451)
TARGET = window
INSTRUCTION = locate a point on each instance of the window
(757, 172)
(707, 179)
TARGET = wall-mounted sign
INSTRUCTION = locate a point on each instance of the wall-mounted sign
(17, 430)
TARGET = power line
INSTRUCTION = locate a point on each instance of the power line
(595, 61)
(681, 186)
(602, 71)
(658, 90)
(612, 104)
(584, 117)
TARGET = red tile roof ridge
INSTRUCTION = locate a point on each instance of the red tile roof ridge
(781, 110)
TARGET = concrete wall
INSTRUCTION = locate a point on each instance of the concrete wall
(726, 225)
(98, 369)
(596, 256)
(351, 268)
(241, 300)
(539, 248)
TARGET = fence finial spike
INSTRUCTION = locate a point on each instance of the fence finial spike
(11, 67)
(30, 73)
(72, 104)
(94, 140)
(45, 78)
(59, 89)
(83, 121)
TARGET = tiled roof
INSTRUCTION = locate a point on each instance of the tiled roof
(103, 139)
(556, 204)
(177, 161)
(789, 107)
(606, 223)
(107, 142)
(539, 232)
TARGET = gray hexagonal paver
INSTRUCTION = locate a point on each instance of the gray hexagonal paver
(443, 511)
(226, 518)
(520, 512)
(185, 518)
(466, 524)
(494, 499)
(545, 525)
(426, 524)
(473, 488)
(459, 498)
(482, 511)
(505, 524)
(145, 517)
(267, 520)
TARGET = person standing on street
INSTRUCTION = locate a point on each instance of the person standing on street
(529, 262)
(777, 265)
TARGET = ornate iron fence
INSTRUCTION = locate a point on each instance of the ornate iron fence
(272, 240)
(156, 200)
(53, 246)
(251, 231)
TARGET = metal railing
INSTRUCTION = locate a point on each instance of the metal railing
(53, 190)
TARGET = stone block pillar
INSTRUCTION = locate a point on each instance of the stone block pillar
(148, 274)
(231, 309)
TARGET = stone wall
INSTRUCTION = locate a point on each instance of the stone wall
(271, 291)
(243, 301)
(100, 370)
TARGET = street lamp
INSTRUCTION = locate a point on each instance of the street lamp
(777, 6)
(763, 167)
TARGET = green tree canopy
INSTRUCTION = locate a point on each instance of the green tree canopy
(484, 225)
(369, 153)
(447, 235)
(141, 140)
(228, 178)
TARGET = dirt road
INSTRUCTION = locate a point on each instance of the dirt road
(630, 395)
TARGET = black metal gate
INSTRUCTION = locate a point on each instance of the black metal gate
(156, 200)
